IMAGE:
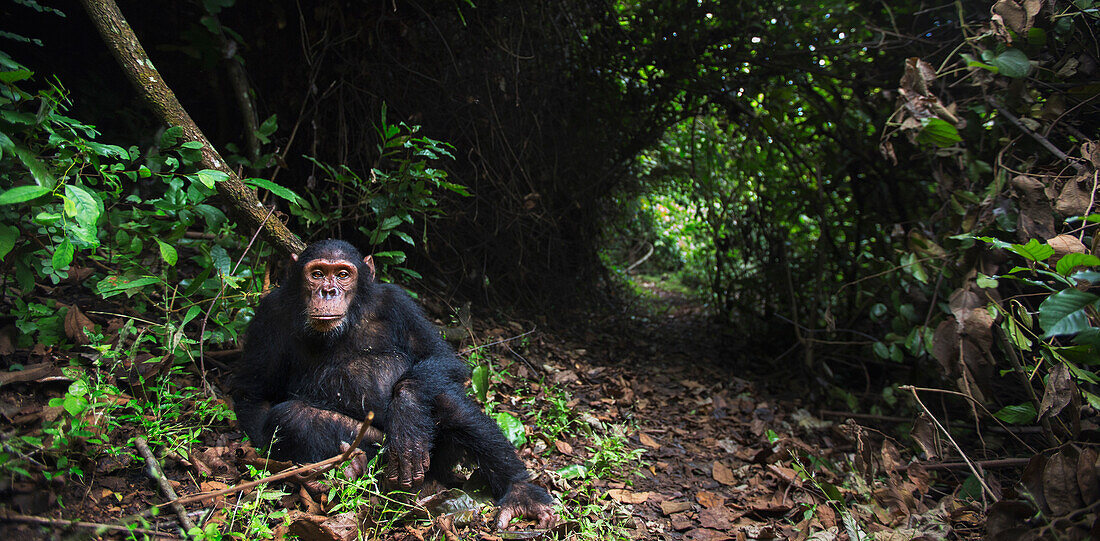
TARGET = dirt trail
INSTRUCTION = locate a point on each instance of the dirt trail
(726, 460)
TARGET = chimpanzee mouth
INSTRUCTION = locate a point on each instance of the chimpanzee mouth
(327, 317)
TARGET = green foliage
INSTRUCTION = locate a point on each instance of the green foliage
(402, 187)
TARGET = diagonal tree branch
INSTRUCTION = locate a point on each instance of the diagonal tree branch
(126, 48)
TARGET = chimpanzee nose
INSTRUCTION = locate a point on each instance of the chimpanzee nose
(329, 292)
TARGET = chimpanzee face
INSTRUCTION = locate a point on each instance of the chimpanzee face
(328, 288)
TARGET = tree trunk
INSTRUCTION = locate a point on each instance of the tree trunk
(126, 48)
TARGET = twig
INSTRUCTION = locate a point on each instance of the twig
(993, 463)
(1037, 137)
(969, 464)
(327, 464)
(62, 523)
(475, 348)
(154, 471)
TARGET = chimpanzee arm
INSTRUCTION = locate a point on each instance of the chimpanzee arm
(305, 433)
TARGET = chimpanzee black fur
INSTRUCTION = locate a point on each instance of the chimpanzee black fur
(311, 390)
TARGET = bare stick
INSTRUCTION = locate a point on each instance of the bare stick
(153, 468)
(969, 464)
(319, 467)
(1037, 137)
(62, 523)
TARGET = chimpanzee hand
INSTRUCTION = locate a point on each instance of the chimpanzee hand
(407, 460)
(357, 463)
(526, 500)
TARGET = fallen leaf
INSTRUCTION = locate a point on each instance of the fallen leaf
(626, 496)
(563, 447)
(709, 499)
(1060, 483)
(648, 441)
(718, 518)
(671, 507)
(723, 474)
(706, 534)
(75, 325)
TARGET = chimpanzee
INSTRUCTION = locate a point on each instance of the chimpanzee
(330, 344)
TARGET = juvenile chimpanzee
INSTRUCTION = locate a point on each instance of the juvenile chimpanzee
(330, 344)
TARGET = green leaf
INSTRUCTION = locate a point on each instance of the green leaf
(209, 176)
(170, 137)
(882, 350)
(986, 282)
(1064, 312)
(63, 255)
(9, 77)
(573, 471)
(37, 169)
(87, 208)
(1021, 414)
(1012, 63)
(479, 380)
(191, 314)
(972, 62)
(512, 428)
(20, 194)
(8, 235)
(74, 404)
(280, 191)
(1090, 276)
(1033, 250)
(220, 258)
(113, 285)
(939, 132)
(1074, 260)
(167, 252)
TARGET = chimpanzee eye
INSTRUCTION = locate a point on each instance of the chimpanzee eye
(343, 274)
(317, 274)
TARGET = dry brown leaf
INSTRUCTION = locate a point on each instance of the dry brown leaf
(1060, 390)
(706, 534)
(926, 436)
(563, 447)
(1017, 15)
(1065, 244)
(1060, 483)
(718, 518)
(28, 373)
(75, 324)
(672, 507)
(1087, 480)
(709, 499)
(723, 474)
(626, 496)
(648, 441)
(341, 527)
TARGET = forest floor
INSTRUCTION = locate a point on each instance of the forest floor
(645, 424)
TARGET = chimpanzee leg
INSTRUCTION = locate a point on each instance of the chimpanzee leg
(462, 422)
(304, 433)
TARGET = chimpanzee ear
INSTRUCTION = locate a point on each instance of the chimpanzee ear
(369, 261)
(294, 257)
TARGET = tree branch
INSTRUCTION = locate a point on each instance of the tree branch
(129, 53)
